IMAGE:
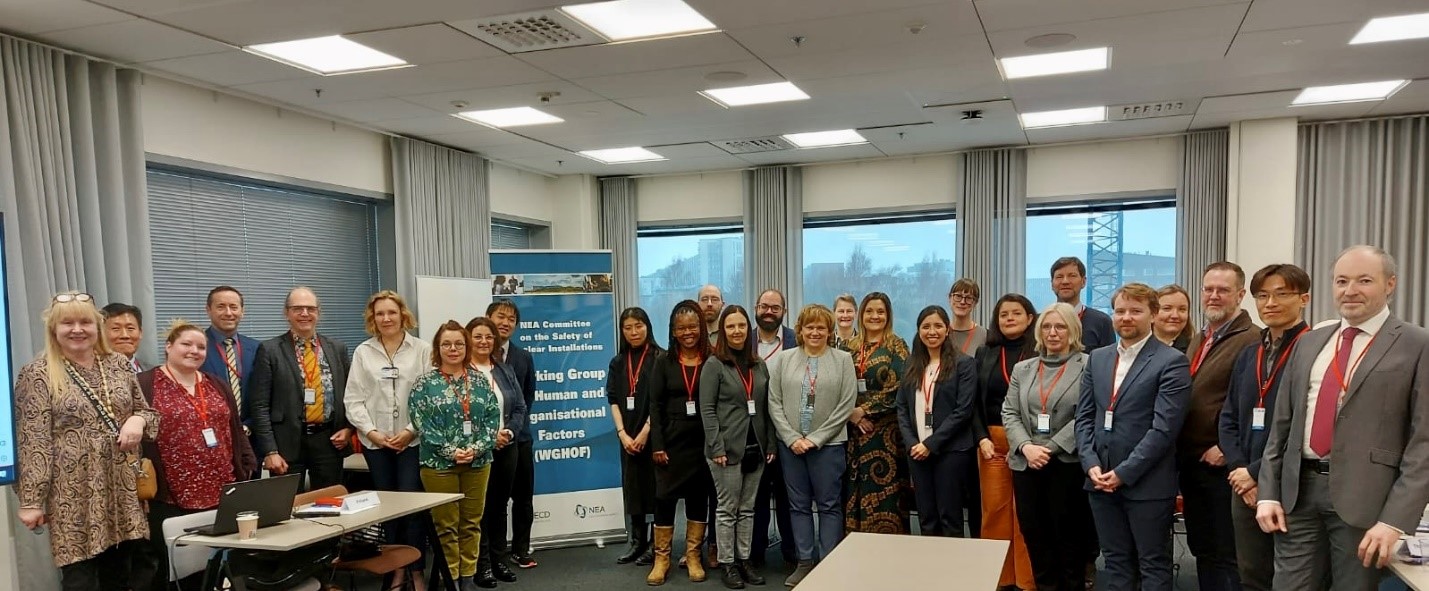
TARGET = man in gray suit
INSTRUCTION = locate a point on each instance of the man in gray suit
(1346, 467)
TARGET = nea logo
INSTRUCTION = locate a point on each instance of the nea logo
(582, 510)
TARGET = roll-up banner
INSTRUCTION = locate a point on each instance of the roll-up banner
(568, 325)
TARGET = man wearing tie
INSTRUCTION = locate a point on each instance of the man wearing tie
(230, 354)
(1346, 466)
(1131, 409)
(295, 393)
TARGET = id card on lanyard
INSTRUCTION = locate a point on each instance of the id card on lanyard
(1111, 406)
(200, 404)
(464, 398)
(692, 380)
(748, 390)
(930, 383)
(632, 377)
(1044, 390)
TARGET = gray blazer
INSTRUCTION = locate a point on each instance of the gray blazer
(1024, 403)
(834, 396)
(1379, 462)
(725, 413)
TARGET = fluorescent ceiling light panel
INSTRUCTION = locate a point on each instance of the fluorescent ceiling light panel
(825, 139)
(622, 155)
(758, 94)
(327, 55)
(1063, 117)
(1348, 93)
(623, 20)
(1393, 28)
(513, 117)
(1062, 62)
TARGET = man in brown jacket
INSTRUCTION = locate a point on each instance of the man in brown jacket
(1204, 488)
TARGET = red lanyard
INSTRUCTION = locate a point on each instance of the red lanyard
(1201, 353)
(969, 340)
(317, 353)
(864, 354)
(1350, 370)
(748, 384)
(691, 380)
(930, 383)
(1045, 389)
(1261, 382)
(778, 346)
(633, 375)
(1082, 313)
(812, 377)
(237, 355)
(1114, 385)
(197, 399)
(465, 391)
(1002, 362)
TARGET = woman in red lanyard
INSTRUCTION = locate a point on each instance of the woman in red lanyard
(877, 484)
(935, 408)
(677, 440)
(628, 388)
(1009, 342)
(201, 445)
(739, 439)
(1052, 509)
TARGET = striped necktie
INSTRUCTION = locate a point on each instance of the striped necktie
(230, 358)
(313, 378)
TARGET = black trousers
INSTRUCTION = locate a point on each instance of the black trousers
(1056, 522)
(318, 459)
(498, 493)
(697, 508)
(1135, 537)
(1210, 534)
(395, 471)
(523, 492)
(939, 486)
(106, 571)
(773, 491)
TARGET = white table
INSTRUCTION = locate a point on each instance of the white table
(879, 561)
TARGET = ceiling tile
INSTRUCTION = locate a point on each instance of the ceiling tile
(738, 14)
(686, 80)
(427, 44)
(134, 41)
(640, 56)
(812, 155)
(33, 17)
(489, 72)
(366, 111)
(425, 126)
(229, 68)
(1005, 15)
(519, 95)
(1410, 99)
(1268, 15)
(1139, 38)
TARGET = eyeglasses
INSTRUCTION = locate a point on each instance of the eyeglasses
(1054, 328)
(303, 309)
(1215, 291)
(769, 307)
(711, 300)
(1280, 296)
(452, 345)
(481, 338)
(963, 298)
(65, 298)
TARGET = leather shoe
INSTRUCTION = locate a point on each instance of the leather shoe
(484, 578)
(747, 572)
(502, 572)
(732, 580)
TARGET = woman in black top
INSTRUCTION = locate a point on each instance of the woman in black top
(677, 438)
(628, 387)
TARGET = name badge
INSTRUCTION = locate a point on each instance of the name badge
(209, 438)
(310, 396)
(389, 373)
(1257, 419)
(1044, 423)
(862, 386)
(928, 420)
(749, 405)
(689, 408)
(466, 428)
(1106, 421)
(629, 403)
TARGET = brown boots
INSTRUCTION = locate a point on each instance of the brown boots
(694, 541)
(658, 571)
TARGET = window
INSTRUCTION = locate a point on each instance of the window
(675, 262)
(264, 240)
(908, 257)
(1114, 240)
(510, 235)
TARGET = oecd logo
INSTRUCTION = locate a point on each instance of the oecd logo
(582, 510)
(541, 515)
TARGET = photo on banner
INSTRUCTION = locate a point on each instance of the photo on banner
(568, 325)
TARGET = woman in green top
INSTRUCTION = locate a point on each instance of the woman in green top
(877, 485)
(457, 414)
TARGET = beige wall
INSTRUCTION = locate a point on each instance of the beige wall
(1102, 168)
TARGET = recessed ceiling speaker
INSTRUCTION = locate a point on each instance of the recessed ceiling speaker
(1050, 40)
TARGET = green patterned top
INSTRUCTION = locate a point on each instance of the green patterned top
(882, 366)
(437, 412)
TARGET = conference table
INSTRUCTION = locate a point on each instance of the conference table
(881, 561)
(298, 532)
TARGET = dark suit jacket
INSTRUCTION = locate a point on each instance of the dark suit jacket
(247, 350)
(275, 393)
(244, 462)
(1242, 445)
(725, 414)
(1097, 331)
(952, 410)
(1150, 408)
(519, 361)
(1379, 461)
(515, 416)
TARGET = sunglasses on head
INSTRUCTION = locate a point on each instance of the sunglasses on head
(66, 298)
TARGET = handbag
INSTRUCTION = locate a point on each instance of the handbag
(146, 482)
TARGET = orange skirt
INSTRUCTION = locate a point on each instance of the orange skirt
(999, 513)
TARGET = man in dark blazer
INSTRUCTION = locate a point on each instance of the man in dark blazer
(1347, 461)
(773, 337)
(1069, 276)
(296, 397)
(230, 353)
(1130, 412)
(507, 317)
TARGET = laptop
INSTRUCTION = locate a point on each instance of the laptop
(272, 498)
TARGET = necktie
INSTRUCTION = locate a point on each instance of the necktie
(496, 355)
(134, 365)
(230, 357)
(1327, 402)
(312, 378)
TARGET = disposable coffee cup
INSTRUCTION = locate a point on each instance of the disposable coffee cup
(248, 525)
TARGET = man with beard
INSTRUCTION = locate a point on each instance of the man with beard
(773, 337)
(1199, 460)
(711, 304)
(1131, 408)
(1069, 276)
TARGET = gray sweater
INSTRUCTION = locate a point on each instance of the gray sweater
(834, 398)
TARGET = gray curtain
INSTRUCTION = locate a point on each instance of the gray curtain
(443, 212)
(618, 223)
(1365, 182)
(75, 206)
(773, 235)
(1201, 205)
(992, 223)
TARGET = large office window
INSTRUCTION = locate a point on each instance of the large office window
(908, 257)
(675, 262)
(1119, 242)
(264, 240)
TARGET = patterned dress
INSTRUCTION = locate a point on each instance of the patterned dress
(876, 488)
(69, 463)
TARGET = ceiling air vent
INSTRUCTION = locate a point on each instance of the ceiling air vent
(530, 31)
(753, 145)
(1150, 110)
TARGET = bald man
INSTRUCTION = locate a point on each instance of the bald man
(711, 304)
(299, 422)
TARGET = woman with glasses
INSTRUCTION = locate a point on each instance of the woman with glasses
(1172, 324)
(80, 417)
(1038, 413)
(876, 489)
(963, 333)
(846, 321)
(458, 414)
(491, 563)
(812, 391)
(628, 387)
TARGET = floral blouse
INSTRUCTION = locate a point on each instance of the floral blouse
(440, 406)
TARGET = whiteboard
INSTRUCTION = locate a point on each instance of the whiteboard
(449, 298)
